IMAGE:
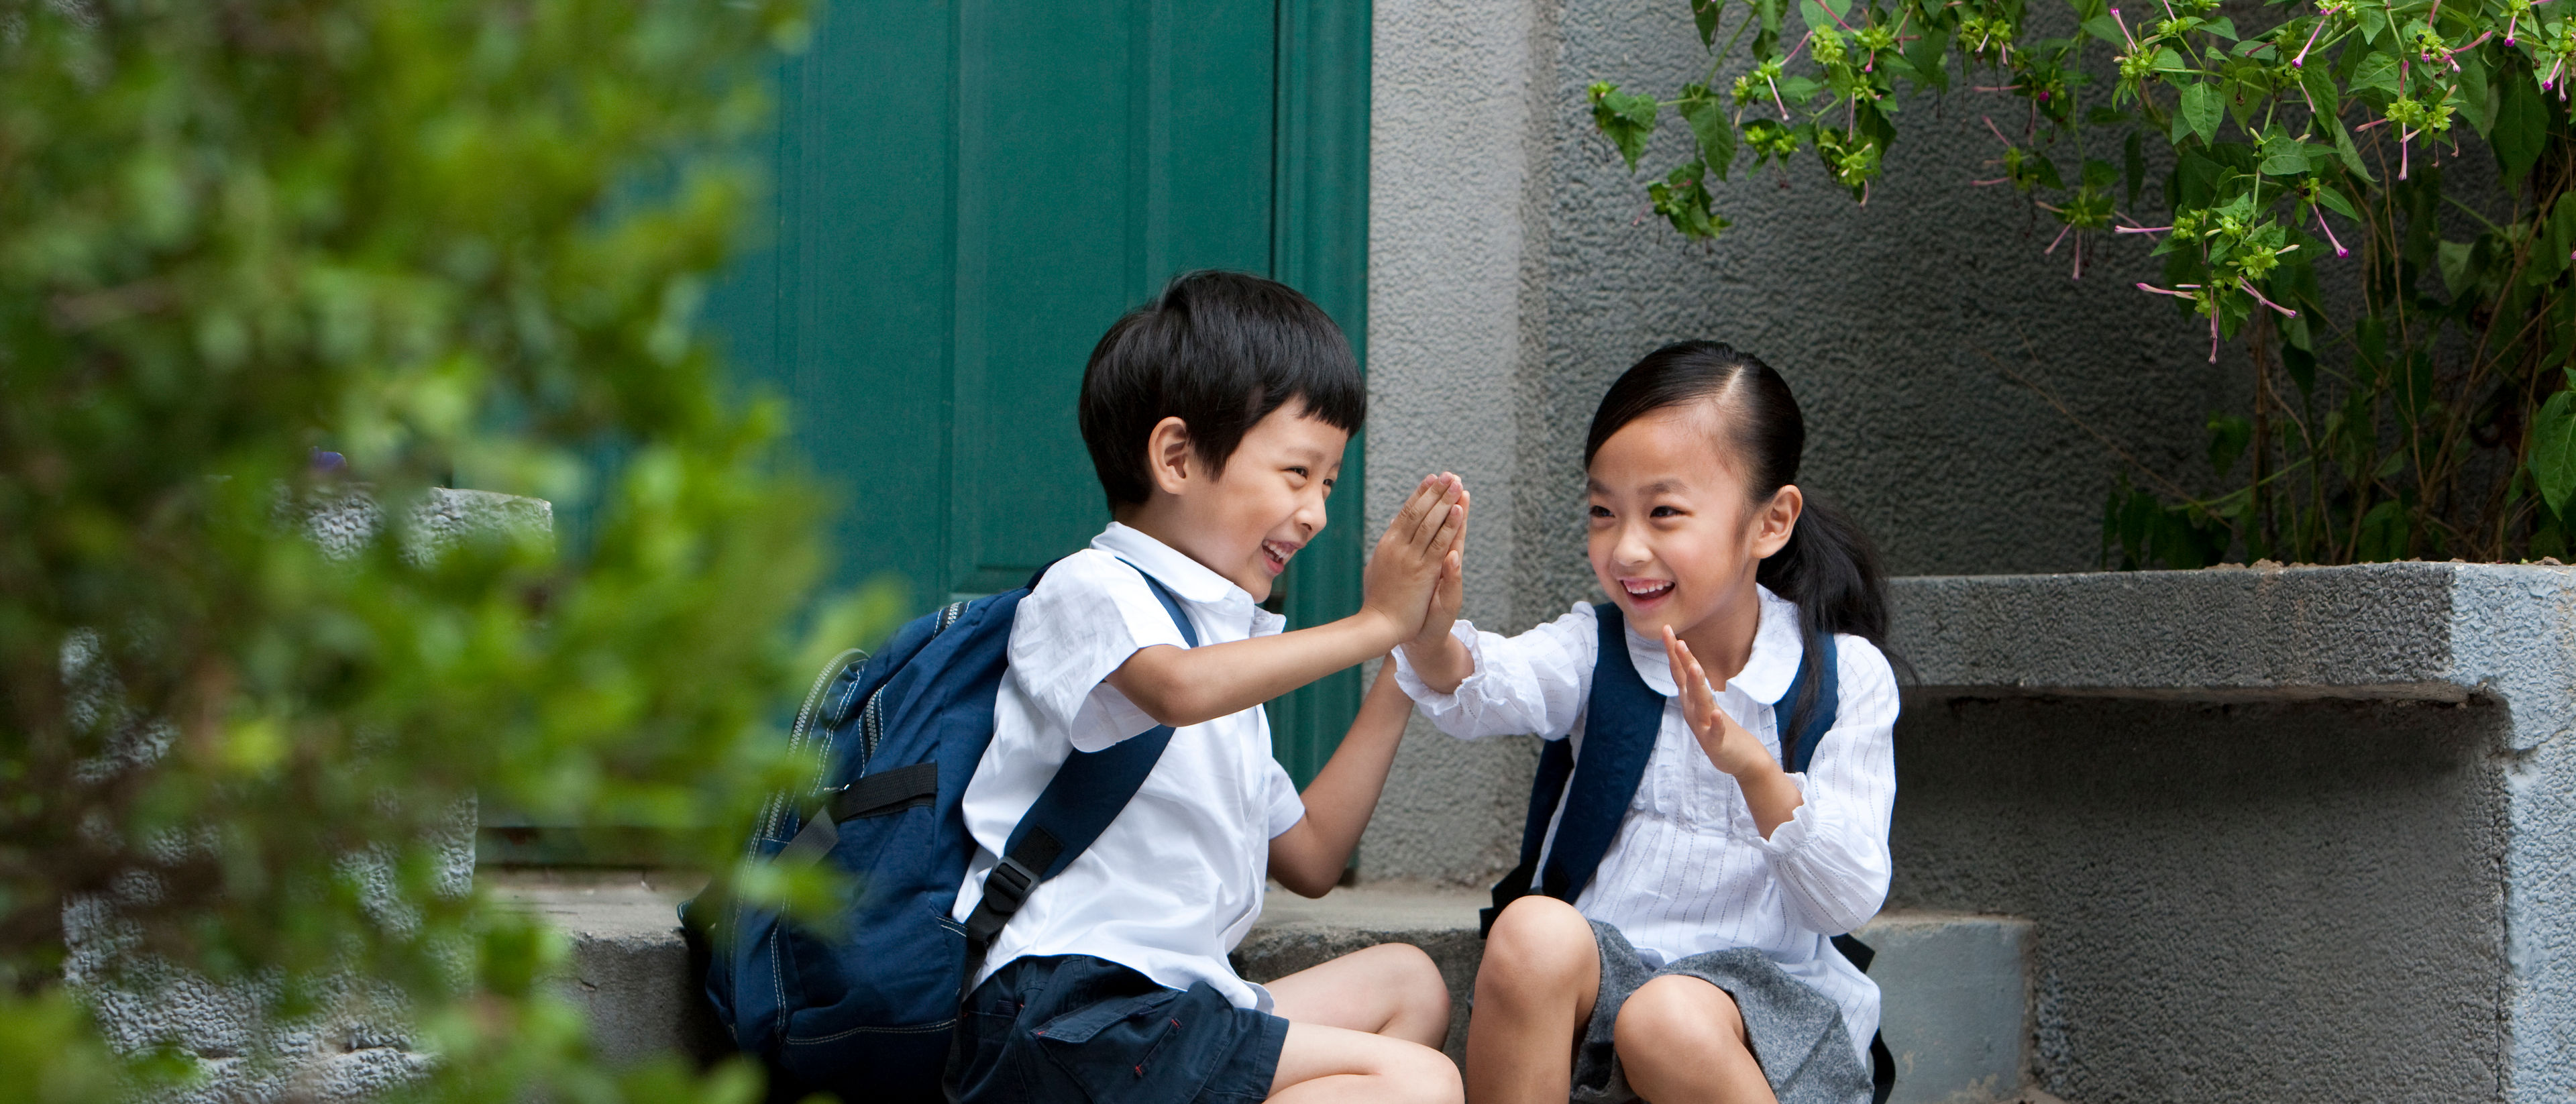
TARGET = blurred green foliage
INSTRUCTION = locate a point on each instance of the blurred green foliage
(439, 237)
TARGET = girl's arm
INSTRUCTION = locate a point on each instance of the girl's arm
(1825, 831)
(1187, 686)
(1533, 683)
(1310, 857)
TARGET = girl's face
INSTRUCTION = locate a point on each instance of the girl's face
(1675, 531)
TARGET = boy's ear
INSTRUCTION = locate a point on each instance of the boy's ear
(1776, 520)
(1169, 455)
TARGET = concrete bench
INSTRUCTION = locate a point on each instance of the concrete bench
(1957, 987)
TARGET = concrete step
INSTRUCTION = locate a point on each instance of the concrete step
(1957, 986)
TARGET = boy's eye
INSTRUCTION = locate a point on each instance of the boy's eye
(1299, 471)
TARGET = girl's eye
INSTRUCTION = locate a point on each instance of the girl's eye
(1601, 511)
(1664, 511)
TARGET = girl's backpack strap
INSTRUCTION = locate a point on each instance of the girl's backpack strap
(1808, 726)
(1619, 727)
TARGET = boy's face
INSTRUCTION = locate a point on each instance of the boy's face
(1249, 521)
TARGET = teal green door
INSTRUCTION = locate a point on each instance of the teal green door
(969, 193)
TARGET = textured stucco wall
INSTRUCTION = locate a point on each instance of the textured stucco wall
(1451, 146)
(1882, 317)
(2260, 902)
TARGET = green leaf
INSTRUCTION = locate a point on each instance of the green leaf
(2108, 30)
(1818, 15)
(2202, 108)
(2374, 22)
(2477, 98)
(2334, 201)
(2553, 450)
(1706, 115)
(2350, 154)
(2228, 436)
(2322, 93)
(1706, 13)
(2284, 157)
(1798, 90)
(2098, 174)
(2222, 26)
(1628, 120)
(2167, 61)
(2133, 157)
(2521, 128)
(1926, 54)
(2458, 274)
(2375, 71)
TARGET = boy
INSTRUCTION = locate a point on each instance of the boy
(1216, 418)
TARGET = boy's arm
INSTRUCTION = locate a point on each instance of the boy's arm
(1187, 686)
(1310, 857)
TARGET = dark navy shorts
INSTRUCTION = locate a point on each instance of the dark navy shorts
(1074, 1028)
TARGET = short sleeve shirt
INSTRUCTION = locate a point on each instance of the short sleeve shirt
(1176, 880)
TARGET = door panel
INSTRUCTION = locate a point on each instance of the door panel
(968, 193)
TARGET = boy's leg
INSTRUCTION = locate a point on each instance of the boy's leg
(1534, 994)
(1334, 1065)
(1391, 989)
(1682, 1041)
(1363, 1027)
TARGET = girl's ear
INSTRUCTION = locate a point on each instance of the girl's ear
(1169, 456)
(1776, 520)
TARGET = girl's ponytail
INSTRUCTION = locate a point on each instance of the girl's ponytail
(1829, 568)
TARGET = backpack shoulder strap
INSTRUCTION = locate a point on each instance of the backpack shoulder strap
(1078, 804)
(1619, 726)
(1800, 731)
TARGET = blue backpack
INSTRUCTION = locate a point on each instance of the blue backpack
(867, 1012)
(1620, 722)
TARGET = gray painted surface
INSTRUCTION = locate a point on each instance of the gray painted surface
(1955, 1004)
(2288, 834)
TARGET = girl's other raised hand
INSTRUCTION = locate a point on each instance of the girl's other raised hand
(1730, 746)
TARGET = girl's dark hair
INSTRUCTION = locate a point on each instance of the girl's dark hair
(1829, 567)
(1219, 351)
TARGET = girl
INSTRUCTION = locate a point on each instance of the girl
(1695, 962)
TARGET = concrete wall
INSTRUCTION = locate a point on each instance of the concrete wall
(1511, 278)
(2273, 902)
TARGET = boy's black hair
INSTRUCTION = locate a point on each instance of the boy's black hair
(1219, 351)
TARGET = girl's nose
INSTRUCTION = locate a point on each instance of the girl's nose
(1632, 550)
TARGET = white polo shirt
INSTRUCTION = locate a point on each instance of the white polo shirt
(1176, 880)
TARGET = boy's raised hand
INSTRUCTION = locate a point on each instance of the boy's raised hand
(1406, 572)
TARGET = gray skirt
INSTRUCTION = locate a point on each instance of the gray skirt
(1798, 1034)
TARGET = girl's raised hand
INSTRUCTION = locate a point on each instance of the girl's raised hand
(1730, 746)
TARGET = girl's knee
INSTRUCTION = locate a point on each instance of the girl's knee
(1677, 1017)
(1538, 938)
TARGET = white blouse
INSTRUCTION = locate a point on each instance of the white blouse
(1688, 871)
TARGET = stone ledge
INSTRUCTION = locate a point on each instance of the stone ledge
(2428, 631)
(1957, 985)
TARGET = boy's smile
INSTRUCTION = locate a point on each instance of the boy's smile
(1249, 520)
